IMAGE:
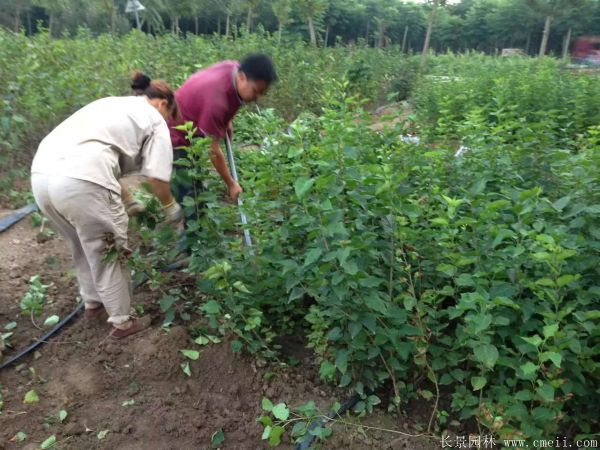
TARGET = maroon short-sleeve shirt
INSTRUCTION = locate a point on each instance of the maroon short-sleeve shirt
(208, 99)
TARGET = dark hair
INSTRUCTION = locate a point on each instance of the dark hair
(257, 67)
(142, 84)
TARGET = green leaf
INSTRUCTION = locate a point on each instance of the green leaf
(299, 429)
(51, 321)
(342, 255)
(312, 255)
(302, 186)
(550, 330)
(166, 302)
(556, 358)
(478, 383)
(534, 340)
(267, 405)
(201, 340)
(266, 432)
(341, 360)
(186, 368)
(275, 436)
(48, 443)
(546, 392)
(10, 326)
(447, 269)
(560, 204)
(486, 354)
(102, 434)
(31, 397)
(191, 354)
(350, 267)
(281, 411)
(266, 420)
(376, 303)
(62, 415)
(211, 307)
(241, 287)
(20, 436)
(127, 403)
(236, 346)
(565, 279)
(528, 369)
(217, 438)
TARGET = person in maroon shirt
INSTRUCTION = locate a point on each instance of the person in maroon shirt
(211, 97)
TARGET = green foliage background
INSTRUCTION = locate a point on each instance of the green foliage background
(472, 278)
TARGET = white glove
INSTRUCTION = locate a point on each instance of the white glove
(174, 214)
(133, 207)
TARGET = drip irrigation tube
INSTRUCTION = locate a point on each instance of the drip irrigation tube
(19, 214)
(62, 323)
(307, 442)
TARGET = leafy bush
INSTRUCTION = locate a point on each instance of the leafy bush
(475, 276)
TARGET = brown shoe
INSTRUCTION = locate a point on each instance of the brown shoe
(138, 324)
(97, 314)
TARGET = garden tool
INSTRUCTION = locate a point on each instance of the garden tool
(247, 238)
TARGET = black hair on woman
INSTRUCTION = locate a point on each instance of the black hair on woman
(140, 82)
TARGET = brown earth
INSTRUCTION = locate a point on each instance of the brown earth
(134, 392)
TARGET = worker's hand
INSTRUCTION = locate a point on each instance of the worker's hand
(234, 191)
(133, 207)
(174, 216)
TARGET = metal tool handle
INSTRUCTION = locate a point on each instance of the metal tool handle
(240, 204)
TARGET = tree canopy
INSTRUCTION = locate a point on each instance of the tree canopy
(535, 26)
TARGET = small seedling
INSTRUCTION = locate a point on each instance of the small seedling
(217, 438)
(49, 443)
(33, 300)
(31, 397)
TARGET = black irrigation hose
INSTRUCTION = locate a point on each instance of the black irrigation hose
(307, 442)
(19, 214)
(62, 323)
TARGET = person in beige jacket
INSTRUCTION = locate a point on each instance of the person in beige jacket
(75, 181)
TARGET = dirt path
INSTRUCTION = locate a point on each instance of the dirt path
(133, 393)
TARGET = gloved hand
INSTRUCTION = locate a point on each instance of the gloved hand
(174, 215)
(133, 207)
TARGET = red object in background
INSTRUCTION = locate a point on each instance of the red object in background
(587, 50)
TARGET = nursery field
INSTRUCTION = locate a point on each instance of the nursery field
(424, 273)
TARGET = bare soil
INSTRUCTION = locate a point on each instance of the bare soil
(90, 376)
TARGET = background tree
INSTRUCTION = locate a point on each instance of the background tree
(252, 5)
(552, 9)
(432, 16)
(283, 11)
(310, 10)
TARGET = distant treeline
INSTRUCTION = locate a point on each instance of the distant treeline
(483, 25)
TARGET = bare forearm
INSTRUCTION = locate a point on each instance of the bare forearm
(218, 160)
(162, 190)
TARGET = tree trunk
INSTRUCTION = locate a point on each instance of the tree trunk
(368, 32)
(227, 20)
(29, 29)
(429, 30)
(113, 20)
(196, 27)
(249, 20)
(566, 44)
(404, 38)
(311, 30)
(17, 17)
(50, 23)
(545, 36)
(381, 35)
(327, 34)
(279, 32)
(528, 44)
(219, 25)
